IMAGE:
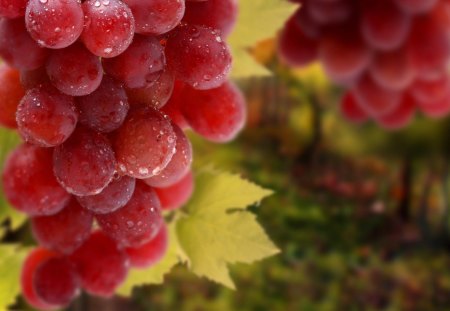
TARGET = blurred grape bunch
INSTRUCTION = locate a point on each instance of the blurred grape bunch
(391, 56)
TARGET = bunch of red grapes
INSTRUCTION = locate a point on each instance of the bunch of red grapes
(101, 92)
(391, 55)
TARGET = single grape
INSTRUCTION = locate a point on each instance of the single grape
(114, 196)
(17, 48)
(383, 25)
(65, 231)
(54, 24)
(343, 54)
(28, 183)
(374, 99)
(175, 196)
(198, 56)
(145, 143)
(178, 166)
(436, 109)
(351, 110)
(217, 14)
(109, 27)
(311, 28)
(431, 90)
(137, 222)
(101, 265)
(56, 282)
(173, 107)
(157, 16)
(106, 108)
(12, 8)
(294, 47)
(428, 46)
(74, 70)
(35, 258)
(11, 92)
(392, 70)
(400, 117)
(155, 94)
(217, 114)
(85, 163)
(151, 252)
(46, 117)
(142, 63)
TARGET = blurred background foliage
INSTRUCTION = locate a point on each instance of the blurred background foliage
(361, 215)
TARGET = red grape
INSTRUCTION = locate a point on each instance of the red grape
(198, 56)
(54, 23)
(295, 48)
(392, 70)
(34, 259)
(46, 117)
(85, 163)
(157, 16)
(137, 222)
(436, 109)
(217, 14)
(114, 196)
(151, 252)
(431, 90)
(106, 108)
(344, 55)
(11, 92)
(17, 48)
(178, 166)
(101, 265)
(374, 99)
(29, 184)
(142, 63)
(65, 231)
(428, 46)
(145, 143)
(383, 25)
(155, 94)
(175, 196)
(109, 27)
(74, 70)
(400, 116)
(351, 110)
(56, 282)
(217, 114)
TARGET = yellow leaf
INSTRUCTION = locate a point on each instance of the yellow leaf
(221, 191)
(11, 259)
(257, 20)
(218, 231)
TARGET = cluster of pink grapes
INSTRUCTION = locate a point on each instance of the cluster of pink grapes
(391, 55)
(101, 92)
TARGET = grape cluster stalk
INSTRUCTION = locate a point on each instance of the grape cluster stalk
(102, 91)
(391, 56)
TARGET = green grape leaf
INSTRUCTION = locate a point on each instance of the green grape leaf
(218, 231)
(11, 259)
(8, 140)
(257, 20)
(155, 274)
